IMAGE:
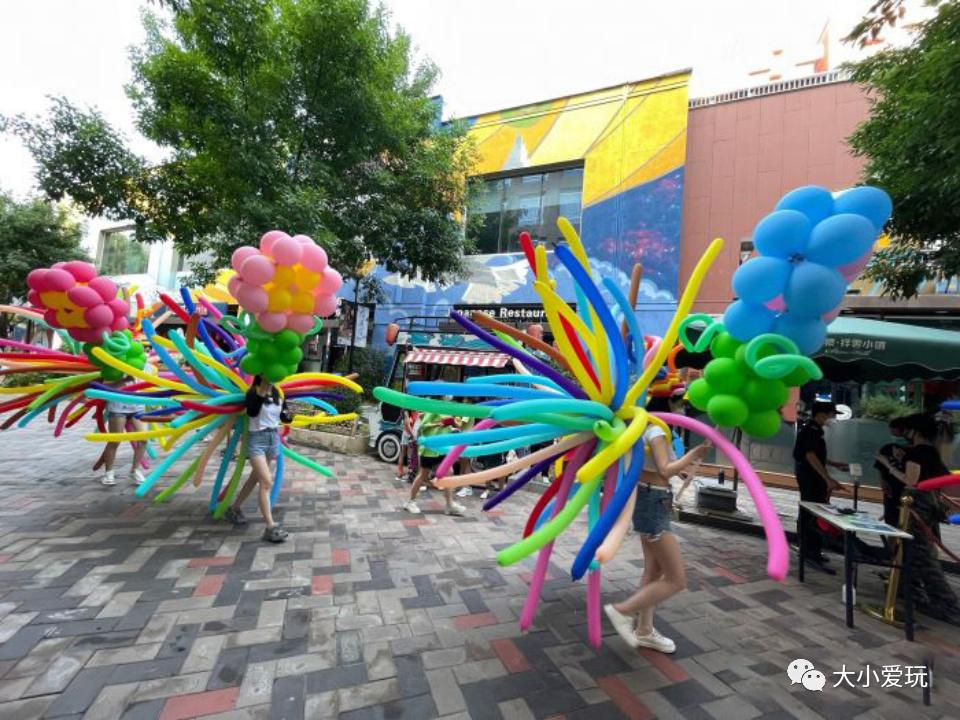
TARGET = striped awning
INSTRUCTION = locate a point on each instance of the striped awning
(450, 356)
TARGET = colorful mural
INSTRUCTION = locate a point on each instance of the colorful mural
(631, 142)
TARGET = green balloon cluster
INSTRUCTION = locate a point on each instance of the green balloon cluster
(734, 395)
(121, 345)
(274, 356)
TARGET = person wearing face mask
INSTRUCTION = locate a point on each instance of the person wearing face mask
(931, 591)
(893, 455)
(813, 479)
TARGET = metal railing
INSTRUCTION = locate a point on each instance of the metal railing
(827, 78)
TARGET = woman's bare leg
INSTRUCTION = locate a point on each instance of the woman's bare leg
(672, 580)
(115, 424)
(651, 572)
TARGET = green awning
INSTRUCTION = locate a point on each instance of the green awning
(869, 350)
(873, 350)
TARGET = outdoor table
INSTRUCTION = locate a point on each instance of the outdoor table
(860, 524)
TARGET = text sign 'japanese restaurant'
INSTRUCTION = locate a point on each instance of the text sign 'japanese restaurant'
(519, 315)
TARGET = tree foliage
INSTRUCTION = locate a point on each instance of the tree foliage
(911, 142)
(305, 115)
(33, 234)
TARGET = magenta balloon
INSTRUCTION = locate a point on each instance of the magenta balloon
(81, 271)
(269, 238)
(50, 317)
(325, 305)
(272, 322)
(106, 287)
(257, 270)
(330, 281)
(241, 254)
(300, 322)
(37, 279)
(91, 335)
(286, 251)
(314, 258)
(84, 296)
(98, 316)
(59, 280)
(119, 306)
(33, 297)
(252, 298)
(120, 323)
(777, 304)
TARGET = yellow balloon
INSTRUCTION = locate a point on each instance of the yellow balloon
(306, 279)
(283, 276)
(279, 300)
(302, 303)
(55, 300)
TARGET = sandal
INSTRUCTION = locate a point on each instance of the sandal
(275, 534)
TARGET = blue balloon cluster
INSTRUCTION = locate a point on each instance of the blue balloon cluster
(809, 249)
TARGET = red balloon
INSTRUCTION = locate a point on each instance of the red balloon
(50, 317)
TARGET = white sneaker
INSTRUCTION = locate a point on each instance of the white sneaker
(411, 507)
(108, 478)
(623, 624)
(465, 491)
(137, 477)
(456, 508)
(485, 494)
(656, 641)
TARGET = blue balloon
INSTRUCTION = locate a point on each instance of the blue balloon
(814, 289)
(841, 239)
(761, 279)
(871, 202)
(807, 332)
(746, 320)
(782, 233)
(812, 200)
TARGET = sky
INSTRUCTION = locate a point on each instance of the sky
(492, 54)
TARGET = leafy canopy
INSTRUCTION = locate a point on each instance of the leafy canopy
(912, 145)
(304, 115)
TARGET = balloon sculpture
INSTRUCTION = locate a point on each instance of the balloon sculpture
(809, 248)
(75, 298)
(282, 286)
(597, 420)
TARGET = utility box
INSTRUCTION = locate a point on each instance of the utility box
(717, 498)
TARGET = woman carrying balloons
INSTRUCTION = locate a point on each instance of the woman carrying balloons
(266, 410)
(663, 572)
(120, 415)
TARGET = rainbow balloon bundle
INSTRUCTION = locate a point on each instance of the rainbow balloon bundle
(283, 285)
(596, 420)
(809, 248)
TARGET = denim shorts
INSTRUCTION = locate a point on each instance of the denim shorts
(264, 442)
(651, 514)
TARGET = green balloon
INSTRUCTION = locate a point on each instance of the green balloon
(287, 338)
(763, 394)
(275, 373)
(268, 353)
(699, 393)
(796, 378)
(297, 356)
(762, 425)
(253, 345)
(724, 345)
(727, 410)
(724, 375)
(251, 364)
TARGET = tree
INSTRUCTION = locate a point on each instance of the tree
(304, 115)
(912, 145)
(33, 234)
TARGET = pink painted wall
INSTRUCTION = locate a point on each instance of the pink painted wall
(743, 156)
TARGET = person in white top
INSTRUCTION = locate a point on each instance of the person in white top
(663, 572)
(119, 416)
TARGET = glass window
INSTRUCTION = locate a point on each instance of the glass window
(530, 203)
(120, 254)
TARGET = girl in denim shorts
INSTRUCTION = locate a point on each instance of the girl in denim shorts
(663, 571)
(266, 410)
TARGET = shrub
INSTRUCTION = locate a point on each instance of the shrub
(884, 407)
(25, 379)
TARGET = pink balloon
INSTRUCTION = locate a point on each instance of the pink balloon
(120, 323)
(84, 296)
(81, 271)
(105, 287)
(37, 279)
(92, 335)
(300, 322)
(850, 271)
(286, 251)
(59, 279)
(314, 258)
(99, 316)
(325, 305)
(233, 284)
(252, 298)
(119, 306)
(330, 281)
(257, 270)
(303, 239)
(241, 254)
(272, 322)
(269, 238)
(777, 304)
(33, 297)
(50, 317)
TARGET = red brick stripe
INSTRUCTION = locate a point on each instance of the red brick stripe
(667, 667)
(216, 561)
(621, 696)
(322, 584)
(468, 622)
(511, 657)
(209, 585)
(200, 704)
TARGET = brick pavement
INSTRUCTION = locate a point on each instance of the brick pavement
(112, 608)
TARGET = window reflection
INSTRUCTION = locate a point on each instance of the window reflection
(530, 203)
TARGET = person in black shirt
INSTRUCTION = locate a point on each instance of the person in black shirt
(813, 480)
(894, 455)
(932, 593)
